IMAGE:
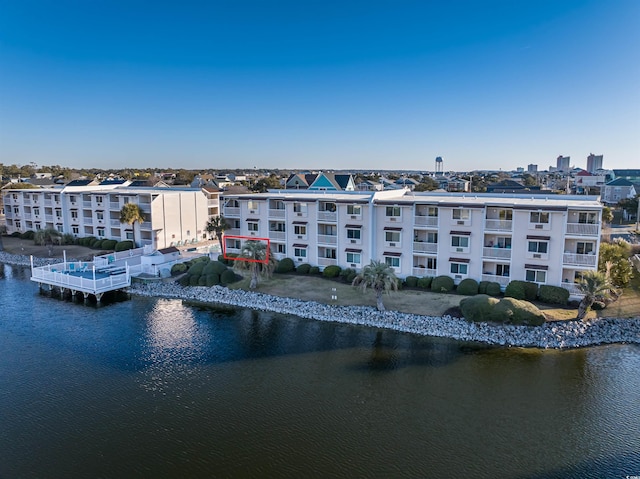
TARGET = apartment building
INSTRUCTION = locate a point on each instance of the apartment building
(173, 216)
(493, 237)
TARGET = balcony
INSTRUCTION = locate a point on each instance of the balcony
(572, 288)
(48, 218)
(499, 253)
(231, 211)
(87, 220)
(232, 231)
(113, 222)
(327, 261)
(87, 204)
(575, 259)
(498, 225)
(422, 272)
(583, 229)
(114, 206)
(327, 239)
(277, 235)
(276, 213)
(327, 216)
(420, 247)
(501, 280)
(426, 220)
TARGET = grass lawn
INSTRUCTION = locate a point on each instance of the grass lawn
(628, 305)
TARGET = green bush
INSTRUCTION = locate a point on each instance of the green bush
(348, 275)
(16, 234)
(109, 244)
(97, 244)
(202, 280)
(184, 281)
(482, 287)
(553, 294)
(123, 245)
(425, 283)
(468, 287)
(598, 305)
(478, 308)
(196, 268)
(515, 311)
(522, 290)
(314, 270)
(211, 279)
(530, 291)
(304, 268)
(411, 281)
(28, 235)
(331, 271)
(214, 267)
(493, 289)
(68, 238)
(178, 268)
(442, 284)
(193, 280)
(228, 277)
(285, 265)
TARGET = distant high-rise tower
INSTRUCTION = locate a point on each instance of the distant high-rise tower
(594, 162)
(439, 165)
(563, 163)
(532, 168)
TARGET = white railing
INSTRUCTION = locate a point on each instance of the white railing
(231, 211)
(583, 229)
(572, 288)
(327, 215)
(48, 217)
(114, 205)
(51, 275)
(232, 231)
(327, 261)
(502, 280)
(422, 272)
(327, 239)
(86, 204)
(498, 225)
(276, 213)
(115, 222)
(421, 247)
(580, 259)
(277, 235)
(426, 220)
(502, 253)
(87, 220)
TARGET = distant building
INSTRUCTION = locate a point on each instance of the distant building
(616, 190)
(594, 162)
(519, 169)
(532, 168)
(563, 163)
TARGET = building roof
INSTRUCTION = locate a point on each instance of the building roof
(620, 182)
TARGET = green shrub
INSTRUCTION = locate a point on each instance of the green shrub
(211, 279)
(314, 270)
(285, 265)
(515, 289)
(68, 238)
(348, 275)
(184, 281)
(123, 245)
(482, 287)
(331, 271)
(16, 234)
(530, 291)
(598, 305)
(202, 280)
(442, 284)
(553, 294)
(411, 281)
(228, 277)
(468, 287)
(196, 268)
(97, 244)
(109, 244)
(304, 268)
(178, 268)
(28, 235)
(515, 311)
(493, 289)
(193, 280)
(214, 267)
(425, 283)
(478, 308)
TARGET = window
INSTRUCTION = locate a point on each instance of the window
(58, 213)
(300, 252)
(432, 237)
(538, 247)
(461, 214)
(129, 235)
(252, 205)
(393, 211)
(16, 210)
(505, 215)
(74, 214)
(353, 258)
(432, 263)
(538, 217)
(59, 228)
(300, 208)
(281, 248)
(355, 210)
(330, 253)
(460, 241)
(584, 247)
(235, 224)
(392, 261)
(587, 218)
(252, 226)
(331, 207)
(56, 198)
(100, 215)
(276, 226)
(503, 270)
(392, 236)
(75, 230)
(459, 268)
(38, 227)
(18, 224)
(98, 199)
(432, 211)
(36, 211)
(300, 230)
(125, 200)
(353, 233)
(535, 276)
(101, 232)
(277, 205)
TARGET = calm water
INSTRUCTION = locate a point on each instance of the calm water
(156, 388)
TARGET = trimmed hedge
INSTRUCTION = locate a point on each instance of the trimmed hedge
(442, 284)
(482, 287)
(493, 289)
(331, 271)
(348, 275)
(123, 245)
(228, 277)
(210, 279)
(522, 290)
(178, 268)
(285, 265)
(314, 270)
(553, 294)
(468, 287)
(425, 283)
(411, 281)
(109, 244)
(28, 235)
(478, 308)
(515, 311)
(304, 268)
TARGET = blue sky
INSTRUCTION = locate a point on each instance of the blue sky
(319, 84)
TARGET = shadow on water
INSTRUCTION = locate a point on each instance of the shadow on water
(624, 465)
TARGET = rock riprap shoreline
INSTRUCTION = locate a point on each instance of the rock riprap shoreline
(557, 335)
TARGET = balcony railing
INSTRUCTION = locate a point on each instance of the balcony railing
(327, 215)
(327, 239)
(583, 229)
(113, 222)
(502, 253)
(501, 280)
(87, 220)
(572, 288)
(422, 272)
(231, 211)
(327, 261)
(579, 259)
(276, 213)
(498, 225)
(420, 247)
(426, 221)
(114, 205)
(277, 235)
(86, 204)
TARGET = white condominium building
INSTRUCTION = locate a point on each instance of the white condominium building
(173, 216)
(492, 237)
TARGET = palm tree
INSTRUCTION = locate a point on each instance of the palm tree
(378, 276)
(130, 214)
(593, 285)
(217, 225)
(252, 257)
